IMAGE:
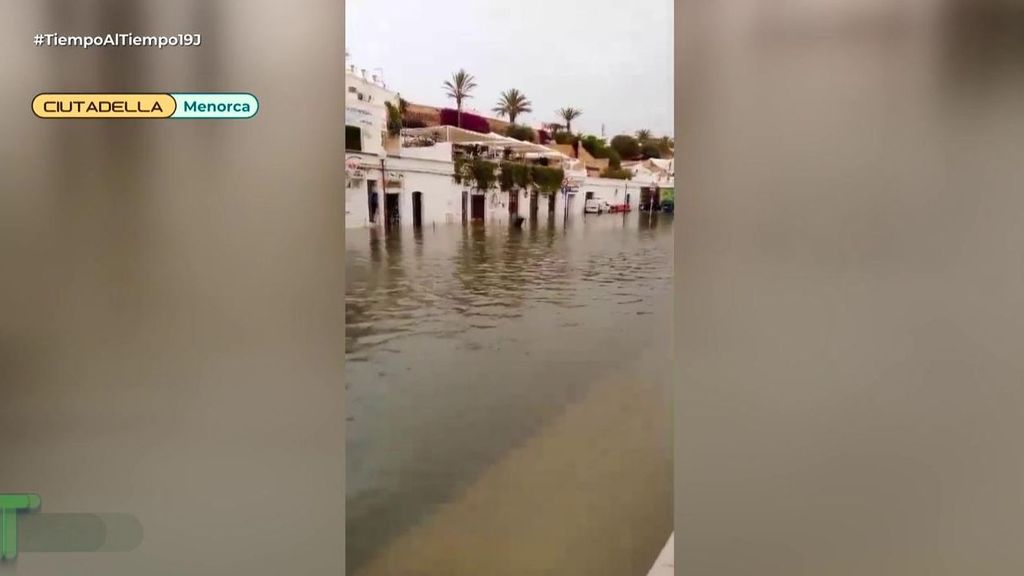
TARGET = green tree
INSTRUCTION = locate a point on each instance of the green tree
(394, 119)
(627, 146)
(459, 88)
(514, 175)
(666, 146)
(475, 172)
(650, 150)
(563, 137)
(614, 160)
(569, 114)
(597, 147)
(643, 135)
(513, 103)
(547, 180)
(520, 132)
(617, 173)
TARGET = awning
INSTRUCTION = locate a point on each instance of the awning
(491, 140)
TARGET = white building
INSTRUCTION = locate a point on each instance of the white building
(421, 190)
(366, 110)
(410, 181)
(656, 170)
(652, 178)
(365, 135)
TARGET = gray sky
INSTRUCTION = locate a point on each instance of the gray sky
(609, 58)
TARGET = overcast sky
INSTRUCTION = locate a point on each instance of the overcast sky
(611, 59)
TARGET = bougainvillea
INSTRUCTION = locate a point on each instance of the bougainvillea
(472, 122)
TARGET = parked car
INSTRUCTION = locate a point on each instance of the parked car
(594, 206)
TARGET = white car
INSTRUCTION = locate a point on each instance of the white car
(593, 206)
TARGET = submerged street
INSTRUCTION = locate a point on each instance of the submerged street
(509, 408)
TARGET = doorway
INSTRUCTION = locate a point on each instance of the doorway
(465, 206)
(513, 203)
(392, 214)
(373, 200)
(417, 209)
(649, 200)
(479, 204)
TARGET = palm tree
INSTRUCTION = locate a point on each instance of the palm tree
(513, 103)
(459, 87)
(643, 135)
(569, 114)
(666, 145)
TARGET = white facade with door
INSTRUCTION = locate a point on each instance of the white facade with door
(424, 187)
(440, 199)
(420, 188)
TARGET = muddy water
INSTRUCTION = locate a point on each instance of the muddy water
(508, 406)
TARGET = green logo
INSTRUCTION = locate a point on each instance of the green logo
(10, 505)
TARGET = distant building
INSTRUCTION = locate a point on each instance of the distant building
(365, 141)
(366, 111)
(594, 166)
(408, 179)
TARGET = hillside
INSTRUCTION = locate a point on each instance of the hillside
(431, 116)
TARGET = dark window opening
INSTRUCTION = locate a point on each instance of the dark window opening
(353, 138)
(417, 209)
(373, 199)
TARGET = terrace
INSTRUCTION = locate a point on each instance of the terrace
(488, 146)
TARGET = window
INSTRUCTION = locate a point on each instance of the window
(353, 138)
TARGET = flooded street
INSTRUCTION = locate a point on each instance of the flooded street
(508, 401)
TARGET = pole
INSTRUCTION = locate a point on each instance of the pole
(383, 202)
(626, 197)
(565, 198)
(650, 207)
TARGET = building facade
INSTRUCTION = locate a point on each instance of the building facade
(408, 181)
(420, 189)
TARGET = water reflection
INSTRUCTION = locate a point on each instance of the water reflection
(462, 341)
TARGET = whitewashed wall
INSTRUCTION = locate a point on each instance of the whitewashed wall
(613, 191)
(442, 197)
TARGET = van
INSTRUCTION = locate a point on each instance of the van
(593, 206)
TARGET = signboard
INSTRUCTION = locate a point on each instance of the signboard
(395, 181)
(359, 116)
(354, 169)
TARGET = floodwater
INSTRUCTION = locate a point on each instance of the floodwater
(509, 407)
